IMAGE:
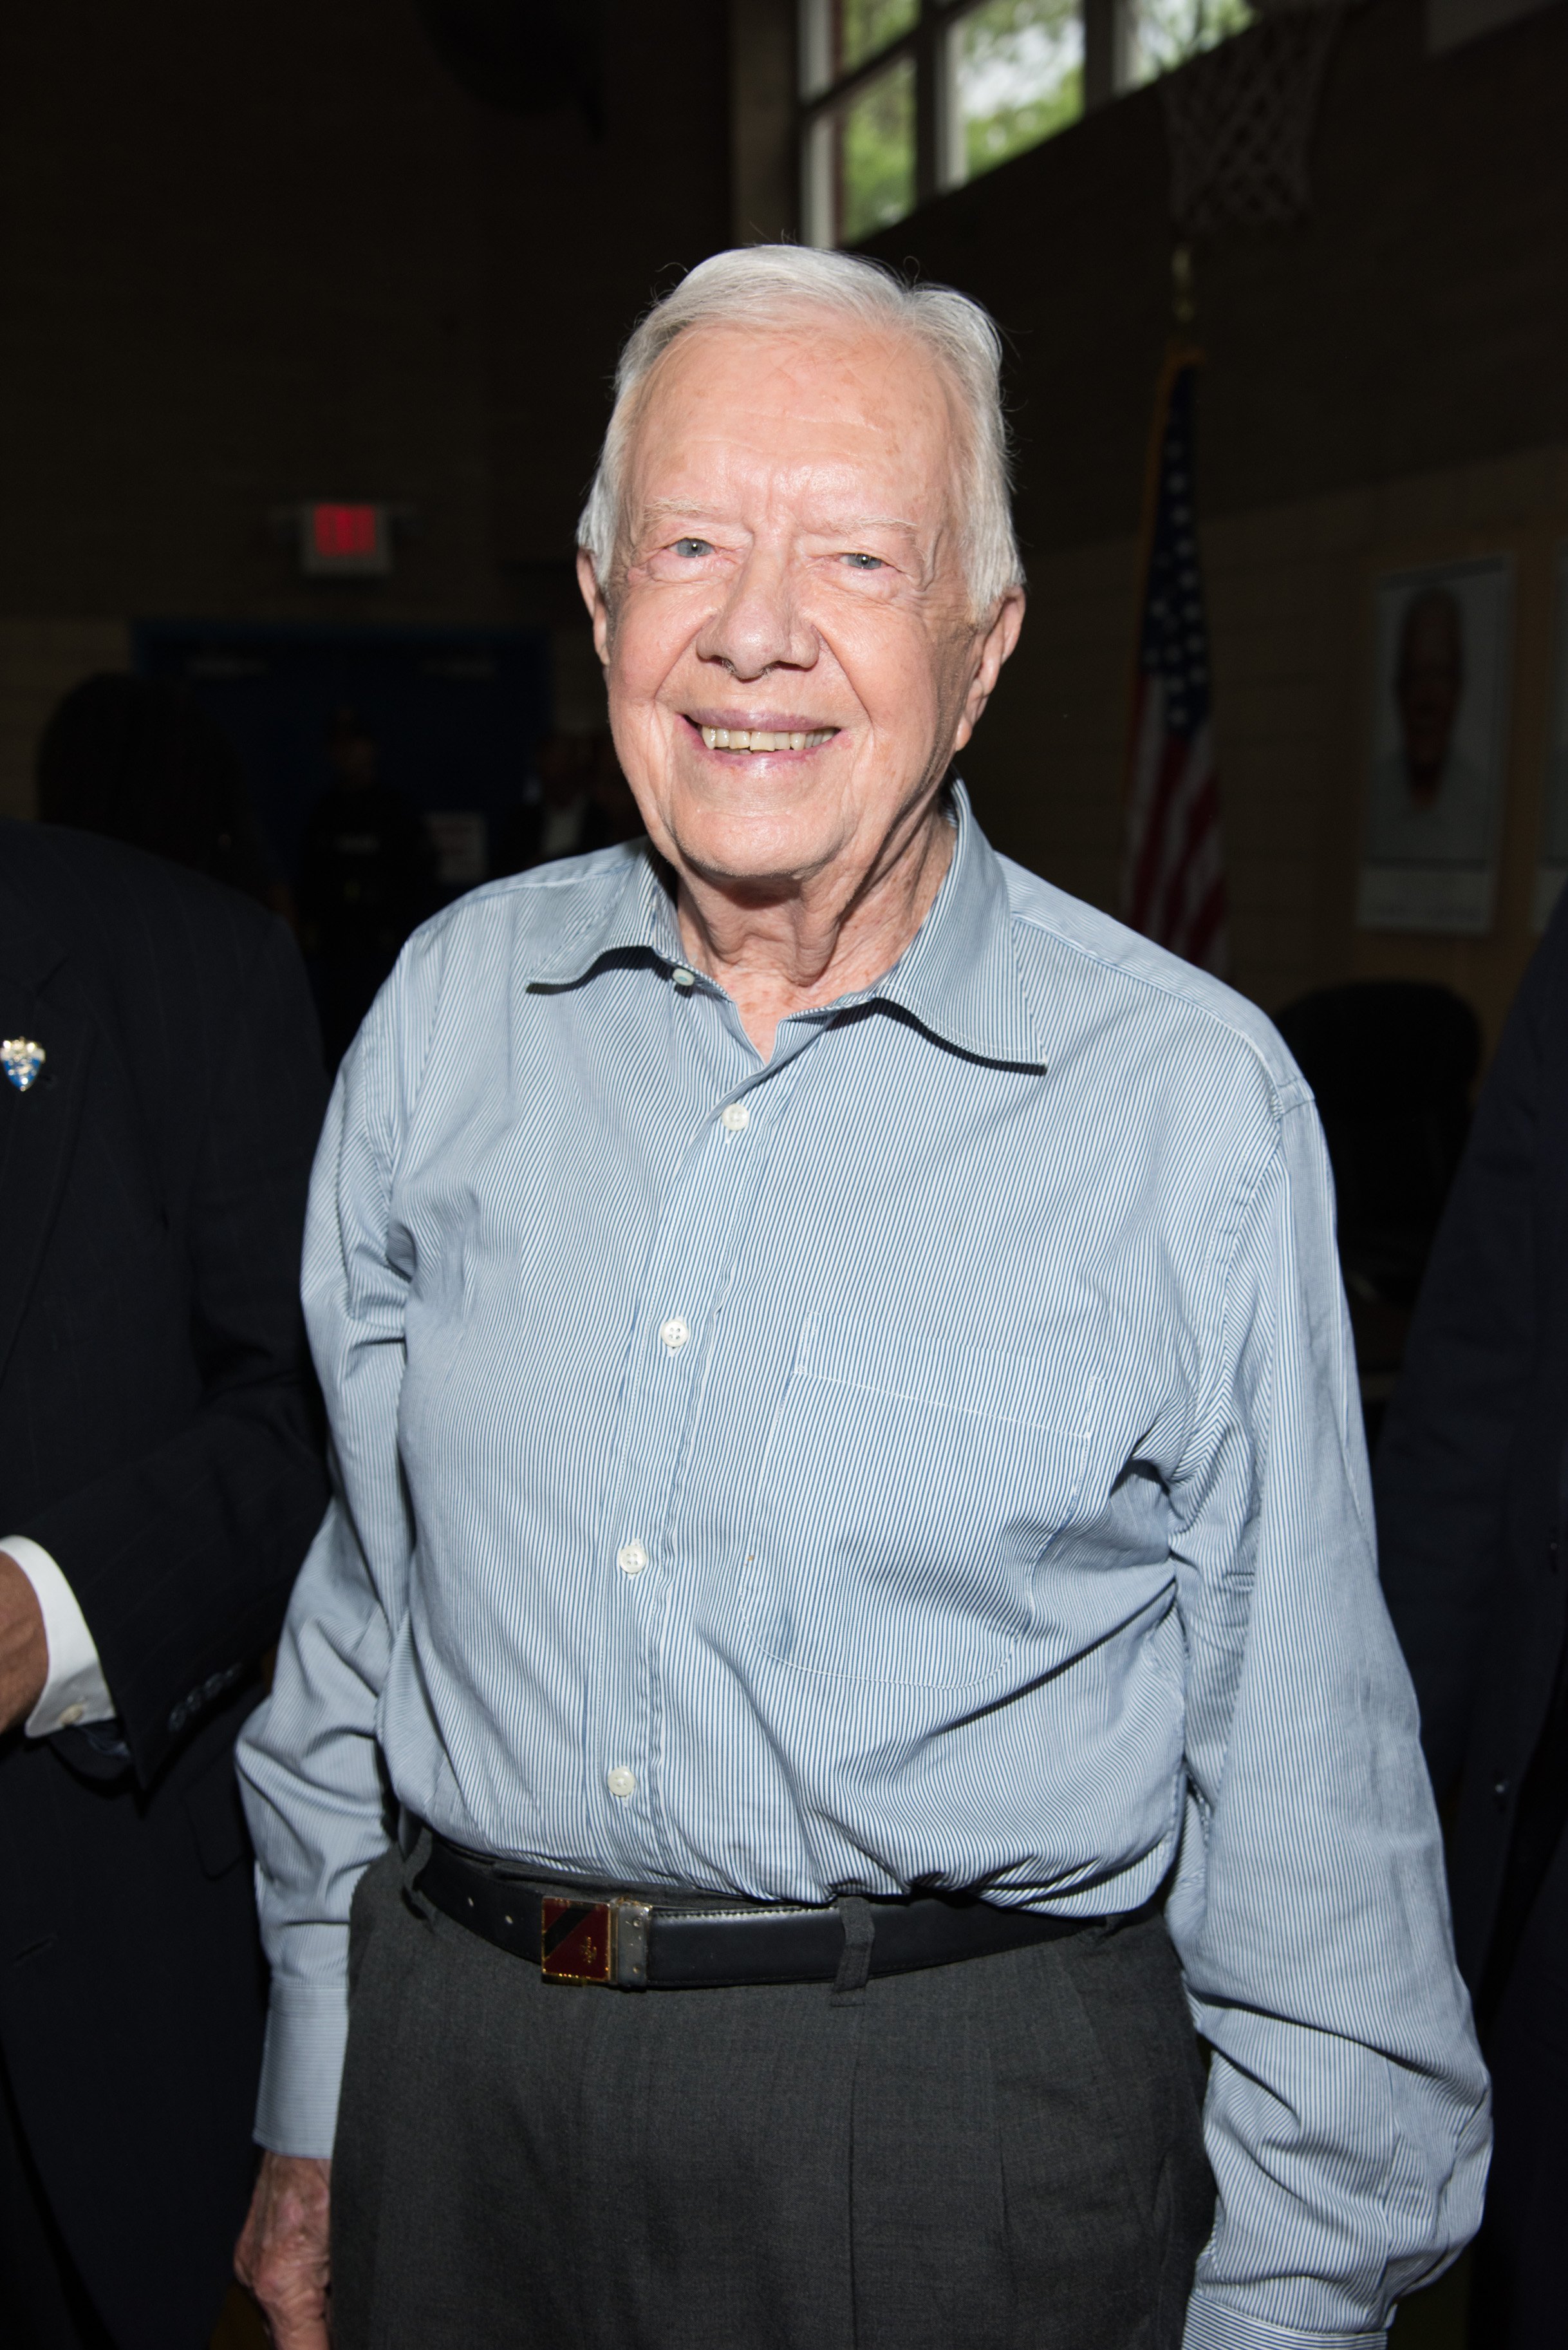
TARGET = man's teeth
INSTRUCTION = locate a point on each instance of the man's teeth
(751, 738)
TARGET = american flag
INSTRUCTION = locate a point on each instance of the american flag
(1174, 890)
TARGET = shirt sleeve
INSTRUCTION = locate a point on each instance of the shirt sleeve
(1347, 2119)
(310, 1772)
(76, 1691)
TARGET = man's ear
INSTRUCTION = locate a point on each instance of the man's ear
(1000, 636)
(593, 597)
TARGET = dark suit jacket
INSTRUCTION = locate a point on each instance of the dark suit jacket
(157, 1434)
(1472, 1471)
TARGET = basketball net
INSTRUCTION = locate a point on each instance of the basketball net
(1240, 118)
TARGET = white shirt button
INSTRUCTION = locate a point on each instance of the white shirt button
(736, 1118)
(674, 1332)
(622, 1782)
(682, 977)
(631, 1558)
(70, 1715)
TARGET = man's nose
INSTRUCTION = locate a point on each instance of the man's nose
(759, 626)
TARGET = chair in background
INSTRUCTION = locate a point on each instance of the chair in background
(1392, 1063)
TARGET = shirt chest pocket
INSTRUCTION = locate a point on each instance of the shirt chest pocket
(908, 1498)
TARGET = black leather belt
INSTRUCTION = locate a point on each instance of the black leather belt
(660, 1943)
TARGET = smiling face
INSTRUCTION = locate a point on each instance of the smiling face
(791, 656)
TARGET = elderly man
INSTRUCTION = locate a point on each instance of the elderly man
(850, 1573)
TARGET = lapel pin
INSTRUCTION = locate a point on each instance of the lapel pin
(22, 1060)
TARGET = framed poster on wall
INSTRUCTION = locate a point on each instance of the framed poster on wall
(1552, 869)
(1438, 743)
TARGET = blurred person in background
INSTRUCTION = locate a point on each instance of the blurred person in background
(160, 1088)
(1473, 1521)
(365, 878)
(618, 814)
(575, 799)
(140, 760)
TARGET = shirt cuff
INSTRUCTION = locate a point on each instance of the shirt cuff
(302, 2067)
(76, 1691)
(1219, 2325)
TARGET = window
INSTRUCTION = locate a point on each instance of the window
(1166, 33)
(1014, 75)
(903, 99)
(860, 167)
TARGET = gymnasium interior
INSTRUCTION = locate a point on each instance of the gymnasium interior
(311, 313)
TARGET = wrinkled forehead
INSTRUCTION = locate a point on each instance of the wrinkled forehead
(815, 418)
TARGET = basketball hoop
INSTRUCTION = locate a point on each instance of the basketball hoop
(1240, 119)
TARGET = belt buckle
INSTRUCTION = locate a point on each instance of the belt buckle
(594, 1942)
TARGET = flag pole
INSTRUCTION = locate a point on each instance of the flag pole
(1172, 873)
(1181, 350)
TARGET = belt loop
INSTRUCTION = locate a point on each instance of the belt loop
(415, 1854)
(859, 1931)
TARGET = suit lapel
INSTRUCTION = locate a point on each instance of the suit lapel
(36, 1128)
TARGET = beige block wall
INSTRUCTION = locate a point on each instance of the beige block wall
(1290, 592)
(40, 661)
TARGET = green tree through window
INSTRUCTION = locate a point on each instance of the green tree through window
(864, 26)
(878, 153)
(1167, 32)
(1007, 75)
(1017, 77)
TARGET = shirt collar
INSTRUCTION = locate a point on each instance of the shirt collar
(621, 913)
(958, 979)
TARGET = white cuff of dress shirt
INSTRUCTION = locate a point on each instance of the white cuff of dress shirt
(76, 1691)
(1219, 2325)
(302, 2067)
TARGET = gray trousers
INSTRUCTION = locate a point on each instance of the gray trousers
(1005, 2153)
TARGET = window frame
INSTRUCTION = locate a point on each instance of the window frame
(818, 107)
(1107, 71)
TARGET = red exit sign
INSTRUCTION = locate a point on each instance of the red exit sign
(344, 541)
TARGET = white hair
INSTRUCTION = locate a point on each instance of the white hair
(774, 286)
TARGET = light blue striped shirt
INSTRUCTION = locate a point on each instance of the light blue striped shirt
(931, 1456)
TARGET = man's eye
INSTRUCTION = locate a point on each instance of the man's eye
(694, 546)
(864, 562)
